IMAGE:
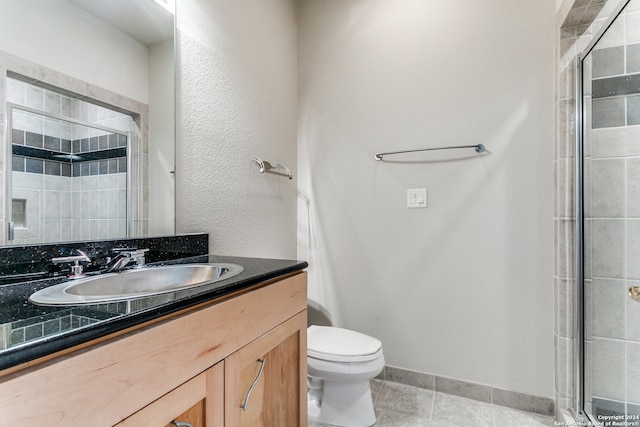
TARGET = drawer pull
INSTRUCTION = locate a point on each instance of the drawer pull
(181, 424)
(246, 398)
(634, 293)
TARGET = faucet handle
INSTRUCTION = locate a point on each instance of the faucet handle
(130, 252)
(76, 268)
(137, 256)
(76, 259)
(123, 250)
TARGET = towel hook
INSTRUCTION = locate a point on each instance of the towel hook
(266, 167)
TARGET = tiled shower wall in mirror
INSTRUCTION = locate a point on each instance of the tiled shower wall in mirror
(72, 193)
(93, 207)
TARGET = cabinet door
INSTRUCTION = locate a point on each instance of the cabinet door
(265, 381)
(199, 402)
(194, 416)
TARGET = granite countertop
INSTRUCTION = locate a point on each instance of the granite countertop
(29, 331)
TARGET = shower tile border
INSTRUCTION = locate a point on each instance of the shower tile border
(606, 87)
(483, 393)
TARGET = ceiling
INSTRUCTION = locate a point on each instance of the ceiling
(144, 20)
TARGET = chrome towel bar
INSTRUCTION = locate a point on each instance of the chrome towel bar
(479, 149)
(266, 167)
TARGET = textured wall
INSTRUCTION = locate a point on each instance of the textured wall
(464, 288)
(237, 97)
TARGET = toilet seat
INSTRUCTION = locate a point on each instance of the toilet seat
(341, 345)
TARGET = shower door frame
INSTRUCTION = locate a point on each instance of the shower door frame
(578, 314)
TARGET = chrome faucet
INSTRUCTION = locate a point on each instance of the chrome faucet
(76, 268)
(124, 258)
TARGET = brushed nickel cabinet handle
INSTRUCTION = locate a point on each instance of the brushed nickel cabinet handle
(634, 293)
(181, 424)
(246, 398)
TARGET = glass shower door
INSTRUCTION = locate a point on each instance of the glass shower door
(611, 222)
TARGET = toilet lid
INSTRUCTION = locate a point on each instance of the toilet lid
(341, 345)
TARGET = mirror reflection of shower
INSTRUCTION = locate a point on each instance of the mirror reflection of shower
(71, 167)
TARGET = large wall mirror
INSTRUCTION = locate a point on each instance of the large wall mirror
(88, 123)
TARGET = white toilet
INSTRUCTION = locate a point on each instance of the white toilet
(340, 365)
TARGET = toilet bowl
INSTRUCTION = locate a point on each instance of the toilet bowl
(340, 365)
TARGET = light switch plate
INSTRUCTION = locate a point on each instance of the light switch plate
(417, 198)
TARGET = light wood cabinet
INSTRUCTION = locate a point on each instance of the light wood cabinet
(264, 381)
(199, 402)
(196, 367)
(194, 416)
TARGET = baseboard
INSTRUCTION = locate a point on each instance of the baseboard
(524, 402)
(565, 418)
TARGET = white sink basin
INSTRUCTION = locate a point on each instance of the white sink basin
(136, 283)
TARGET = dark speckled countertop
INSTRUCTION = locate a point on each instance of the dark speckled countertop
(28, 331)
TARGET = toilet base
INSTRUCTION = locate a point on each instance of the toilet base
(347, 404)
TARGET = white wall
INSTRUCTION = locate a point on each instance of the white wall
(58, 35)
(237, 98)
(464, 288)
(161, 139)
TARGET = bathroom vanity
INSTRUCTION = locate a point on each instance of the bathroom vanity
(230, 357)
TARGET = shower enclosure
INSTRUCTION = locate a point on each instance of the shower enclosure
(71, 170)
(608, 222)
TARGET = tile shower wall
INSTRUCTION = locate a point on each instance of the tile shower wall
(573, 33)
(63, 202)
(612, 212)
(578, 23)
(95, 208)
(71, 88)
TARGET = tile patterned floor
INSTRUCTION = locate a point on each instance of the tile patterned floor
(399, 405)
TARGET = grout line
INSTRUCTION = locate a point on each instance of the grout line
(493, 415)
(433, 405)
